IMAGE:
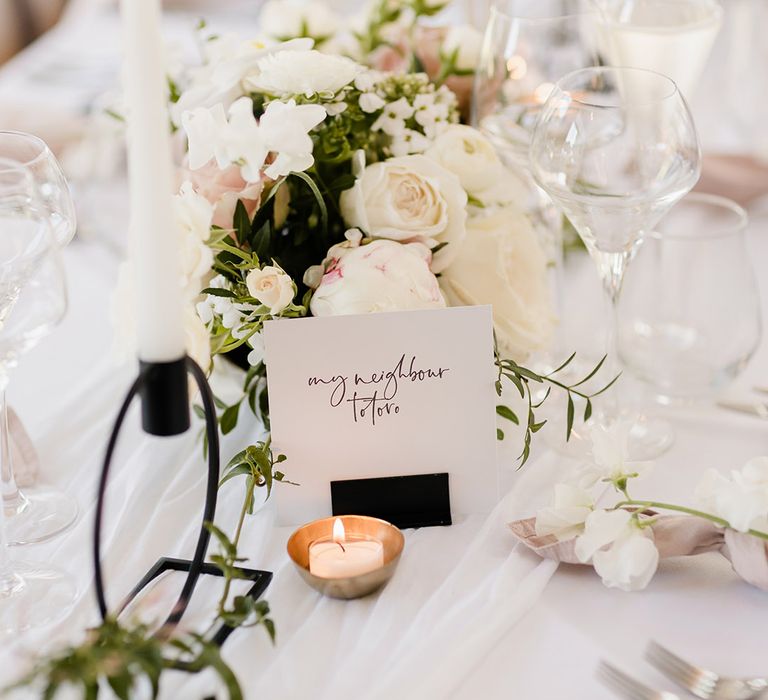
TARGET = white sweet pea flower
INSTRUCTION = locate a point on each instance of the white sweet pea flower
(272, 287)
(565, 518)
(741, 498)
(284, 129)
(242, 141)
(406, 199)
(623, 554)
(284, 19)
(466, 43)
(610, 455)
(204, 128)
(379, 276)
(257, 353)
(306, 73)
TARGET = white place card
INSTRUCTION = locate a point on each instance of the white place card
(385, 394)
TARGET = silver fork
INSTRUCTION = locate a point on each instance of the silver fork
(627, 687)
(701, 682)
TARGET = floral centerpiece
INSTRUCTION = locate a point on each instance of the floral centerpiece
(326, 171)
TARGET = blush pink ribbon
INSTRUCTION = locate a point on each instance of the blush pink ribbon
(674, 536)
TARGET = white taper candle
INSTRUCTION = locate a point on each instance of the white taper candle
(154, 240)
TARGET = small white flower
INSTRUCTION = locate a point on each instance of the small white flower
(610, 455)
(306, 73)
(408, 142)
(740, 498)
(371, 102)
(565, 518)
(193, 213)
(272, 287)
(630, 561)
(392, 119)
(366, 80)
(257, 353)
(335, 108)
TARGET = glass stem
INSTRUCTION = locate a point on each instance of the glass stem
(612, 267)
(8, 582)
(13, 499)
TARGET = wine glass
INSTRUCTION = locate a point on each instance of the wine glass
(35, 514)
(615, 148)
(528, 46)
(674, 37)
(34, 154)
(680, 334)
(30, 594)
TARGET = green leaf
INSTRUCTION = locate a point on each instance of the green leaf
(499, 434)
(224, 541)
(570, 415)
(217, 292)
(318, 198)
(564, 365)
(229, 418)
(508, 413)
(240, 470)
(607, 386)
(588, 410)
(527, 373)
(241, 223)
(535, 427)
(592, 373)
(262, 240)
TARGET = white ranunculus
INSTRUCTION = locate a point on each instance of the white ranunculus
(467, 153)
(272, 287)
(285, 19)
(467, 43)
(741, 498)
(306, 73)
(566, 516)
(380, 276)
(610, 455)
(623, 554)
(501, 263)
(411, 198)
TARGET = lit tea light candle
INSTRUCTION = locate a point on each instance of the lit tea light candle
(340, 557)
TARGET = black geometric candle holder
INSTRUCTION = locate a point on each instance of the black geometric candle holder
(165, 403)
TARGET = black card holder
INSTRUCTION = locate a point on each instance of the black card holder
(417, 500)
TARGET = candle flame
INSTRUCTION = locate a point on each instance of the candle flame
(339, 535)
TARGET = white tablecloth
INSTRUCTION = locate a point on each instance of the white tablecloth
(468, 615)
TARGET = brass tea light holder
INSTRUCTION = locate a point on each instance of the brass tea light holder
(356, 528)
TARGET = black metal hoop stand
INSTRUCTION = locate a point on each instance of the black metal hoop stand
(209, 511)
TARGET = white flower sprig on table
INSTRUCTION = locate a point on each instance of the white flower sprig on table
(619, 540)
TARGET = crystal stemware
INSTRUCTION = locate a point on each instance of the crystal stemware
(40, 162)
(680, 335)
(35, 514)
(30, 594)
(616, 148)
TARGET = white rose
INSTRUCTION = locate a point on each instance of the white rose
(283, 19)
(411, 198)
(302, 73)
(467, 43)
(623, 555)
(501, 263)
(469, 155)
(380, 276)
(272, 287)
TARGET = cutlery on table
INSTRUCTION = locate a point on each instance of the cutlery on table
(701, 682)
(627, 687)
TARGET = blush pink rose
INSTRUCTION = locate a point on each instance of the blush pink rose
(223, 188)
